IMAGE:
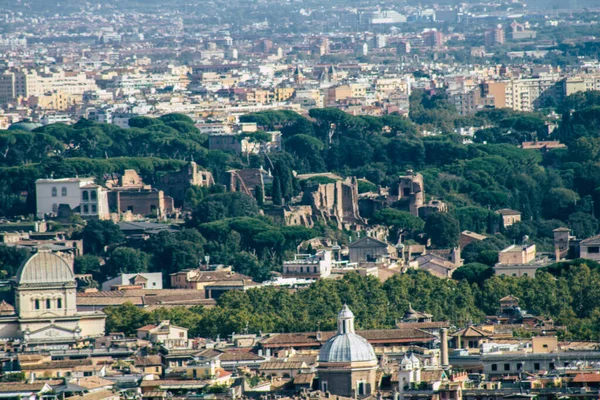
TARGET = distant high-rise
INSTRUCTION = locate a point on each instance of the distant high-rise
(494, 36)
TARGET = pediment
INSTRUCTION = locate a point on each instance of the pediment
(51, 332)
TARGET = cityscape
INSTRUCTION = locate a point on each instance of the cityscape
(299, 200)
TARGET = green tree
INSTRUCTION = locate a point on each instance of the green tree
(125, 318)
(97, 235)
(473, 273)
(276, 195)
(86, 264)
(259, 194)
(125, 260)
(442, 229)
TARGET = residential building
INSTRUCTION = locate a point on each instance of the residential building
(509, 217)
(165, 334)
(144, 280)
(590, 248)
(519, 260)
(309, 266)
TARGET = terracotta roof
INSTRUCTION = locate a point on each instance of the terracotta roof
(92, 382)
(102, 394)
(236, 355)
(282, 365)
(58, 364)
(509, 297)
(147, 328)
(432, 375)
(9, 387)
(147, 361)
(373, 336)
(586, 378)
(472, 331)
(304, 379)
(508, 211)
(423, 325)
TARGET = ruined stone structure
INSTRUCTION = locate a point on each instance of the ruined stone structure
(246, 180)
(293, 215)
(432, 207)
(130, 194)
(175, 184)
(336, 202)
(410, 187)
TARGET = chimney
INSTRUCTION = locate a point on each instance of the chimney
(444, 348)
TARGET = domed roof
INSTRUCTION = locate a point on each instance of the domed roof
(346, 345)
(45, 267)
(24, 126)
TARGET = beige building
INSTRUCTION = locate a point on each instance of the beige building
(165, 334)
(509, 217)
(519, 261)
(54, 101)
(516, 254)
(45, 306)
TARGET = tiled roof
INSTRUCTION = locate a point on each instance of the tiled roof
(374, 336)
(102, 394)
(147, 328)
(282, 365)
(92, 382)
(304, 379)
(235, 355)
(9, 387)
(147, 361)
(587, 378)
(423, 325)
(57, 364)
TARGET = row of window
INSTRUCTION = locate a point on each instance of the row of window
(302, 270)
(536, 366)
(63, 191)
(37, 304)
(89, 194)
(86, 209)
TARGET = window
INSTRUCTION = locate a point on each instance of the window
(551, 366)
(37, 304)
(85, 195)
(519, 366)
(48, 304)
(54, 192)
(63, 191)
(86, 209)
(507, 367)
(536, 366)
(181, 334)
(157, 369)
(94, 209)
(524, 273)
(545, 346)
(494, 367)
(54, 208)
(94, 195)
(59, 303)
(315, 270)
(594, 249)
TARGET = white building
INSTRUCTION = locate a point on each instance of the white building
(165, 334)
(148, 280)
(45, 311)
(309, 266)
(72, 192)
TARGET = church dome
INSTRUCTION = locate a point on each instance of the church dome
(346, 345)
(45, 267)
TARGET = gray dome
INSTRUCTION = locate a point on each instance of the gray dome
(24, 126)
(45, 267)
(347, 347)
